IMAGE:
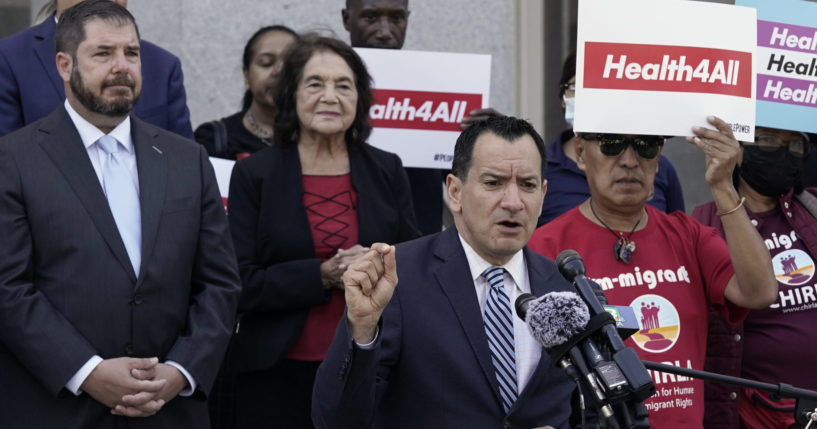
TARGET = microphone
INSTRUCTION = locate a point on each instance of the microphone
(571, 266)
(624, 375)
(553, 319)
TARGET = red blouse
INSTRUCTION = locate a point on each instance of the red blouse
(331, 207)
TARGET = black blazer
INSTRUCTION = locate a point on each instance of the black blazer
(279, 271)
(67, 288)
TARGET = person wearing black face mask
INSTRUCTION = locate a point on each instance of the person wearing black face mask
(773, 164)
(770, 344)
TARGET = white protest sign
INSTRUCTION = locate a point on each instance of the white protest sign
(223, 169)
(786, 64)
(661, 67)
(420, 99)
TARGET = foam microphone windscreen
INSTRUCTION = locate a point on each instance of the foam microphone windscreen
(555, 317)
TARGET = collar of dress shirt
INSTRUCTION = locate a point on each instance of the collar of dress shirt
(515, 266)
(90, 134)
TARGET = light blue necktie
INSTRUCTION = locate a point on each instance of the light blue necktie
(499, 327)
(123, 199)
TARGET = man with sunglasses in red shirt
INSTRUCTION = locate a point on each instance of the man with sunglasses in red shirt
(679, 267)
(770, 345)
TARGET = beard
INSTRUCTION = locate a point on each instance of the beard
(118, 107)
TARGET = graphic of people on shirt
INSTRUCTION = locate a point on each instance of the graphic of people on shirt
(793, 267)
(659, 323)
(649, 316)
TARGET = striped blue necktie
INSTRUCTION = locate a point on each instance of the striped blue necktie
(123, 199)
(499, 327)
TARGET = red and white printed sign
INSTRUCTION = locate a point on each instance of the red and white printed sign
(421, 110)
(420, 99)
(224, 170)
(642, 70)
(667, 68)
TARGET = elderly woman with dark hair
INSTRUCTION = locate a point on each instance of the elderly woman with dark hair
(250, 130)
(300, 212)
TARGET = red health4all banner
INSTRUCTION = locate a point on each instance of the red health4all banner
(667, 68)
(421, 110)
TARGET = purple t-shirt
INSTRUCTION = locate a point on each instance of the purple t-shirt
(780, 340)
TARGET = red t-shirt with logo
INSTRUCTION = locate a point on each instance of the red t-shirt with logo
(679, 268)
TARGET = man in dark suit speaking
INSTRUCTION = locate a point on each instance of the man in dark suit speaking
(118, 281)
(432, 353)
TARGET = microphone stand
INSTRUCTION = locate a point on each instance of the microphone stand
(805, 412)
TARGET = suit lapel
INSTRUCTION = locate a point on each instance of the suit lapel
(454, 278)
(537, 275)
(47, 53)
(152, 166)
(60, 140)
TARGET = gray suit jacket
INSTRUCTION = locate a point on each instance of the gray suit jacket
(67, 289)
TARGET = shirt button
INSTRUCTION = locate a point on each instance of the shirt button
(786, 204)
(129, 349)
(733, 395)
(737, 337)
(788, 214)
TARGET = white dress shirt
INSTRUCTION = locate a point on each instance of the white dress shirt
(516, 282)
(89, 134)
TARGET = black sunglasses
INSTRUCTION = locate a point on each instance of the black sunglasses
(614, 144)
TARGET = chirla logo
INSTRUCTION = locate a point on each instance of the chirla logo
(421, 110)
(667, 68)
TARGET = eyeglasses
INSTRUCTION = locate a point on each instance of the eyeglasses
(568, 87)
(798, 146)
(614, 144)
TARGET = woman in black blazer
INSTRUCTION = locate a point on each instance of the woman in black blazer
(300, 212)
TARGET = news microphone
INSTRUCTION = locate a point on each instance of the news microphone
(571, 266)
(619, 369)
(553, 319)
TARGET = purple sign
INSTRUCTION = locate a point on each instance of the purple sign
(786, 90)
(791, 37)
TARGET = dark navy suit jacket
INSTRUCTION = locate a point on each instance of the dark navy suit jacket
(31, 88)
(431, 365)
(67, 287)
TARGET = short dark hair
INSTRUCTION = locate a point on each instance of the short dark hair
(249, 52)
(287, 125)
(349, 3)
(568, 71)
(506, 127)
(71, 26)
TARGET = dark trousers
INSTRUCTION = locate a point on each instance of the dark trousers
(280, 397)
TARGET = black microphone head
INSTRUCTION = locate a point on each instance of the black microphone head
(522, 303)
(555, 317)
(570, 264)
